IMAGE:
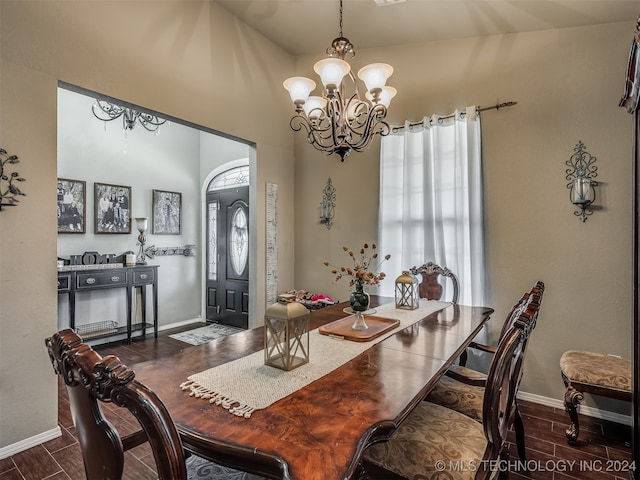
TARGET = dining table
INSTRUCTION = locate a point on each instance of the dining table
(319, 431)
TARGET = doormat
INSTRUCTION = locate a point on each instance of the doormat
(201, 335)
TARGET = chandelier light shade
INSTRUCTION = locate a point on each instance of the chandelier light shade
(341, 119)
(107, 111)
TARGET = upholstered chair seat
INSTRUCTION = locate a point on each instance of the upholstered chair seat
(459, 396)
(199, 468)
(595, 373)
(430, 435)
(597, 369)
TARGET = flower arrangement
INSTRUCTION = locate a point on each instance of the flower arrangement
(361, 272)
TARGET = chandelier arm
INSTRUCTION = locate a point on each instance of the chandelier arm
(334, 112)
(314, 135)
(374, 125)
(111, 110)
(150, 122)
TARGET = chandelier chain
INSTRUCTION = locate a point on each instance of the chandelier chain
(340, 18)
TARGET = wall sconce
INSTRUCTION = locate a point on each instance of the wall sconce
(328, 204)
(9, 192)
(141, 225)
(580, 175)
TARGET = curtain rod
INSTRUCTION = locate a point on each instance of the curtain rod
(497, 106)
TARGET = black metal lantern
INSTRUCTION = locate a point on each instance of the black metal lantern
(286, 334)
(407, 292)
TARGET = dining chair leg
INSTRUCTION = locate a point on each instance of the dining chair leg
(518, 427)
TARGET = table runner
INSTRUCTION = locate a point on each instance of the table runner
(247, 384)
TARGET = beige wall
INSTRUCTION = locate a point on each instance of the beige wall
(190, 60)
(567, 84)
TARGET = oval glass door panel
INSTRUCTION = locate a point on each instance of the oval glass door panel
(239, 241)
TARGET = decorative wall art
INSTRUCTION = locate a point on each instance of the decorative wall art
(72, 200)
(9, 191)
(112, 208)
(167, 212)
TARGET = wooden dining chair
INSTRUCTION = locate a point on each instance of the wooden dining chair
(429, 286)
(91, 380)
(435, 442)
(462, 389)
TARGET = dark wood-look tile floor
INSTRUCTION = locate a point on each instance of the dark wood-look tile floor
(603, 452)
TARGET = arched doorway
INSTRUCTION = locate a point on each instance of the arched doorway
(227, 254)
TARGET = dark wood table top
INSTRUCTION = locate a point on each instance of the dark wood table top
(320, 431)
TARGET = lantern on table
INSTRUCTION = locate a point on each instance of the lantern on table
(407, 292)
(286, 334)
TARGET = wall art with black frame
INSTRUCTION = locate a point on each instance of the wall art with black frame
(167, 212)
(72, 196)
(112, 208)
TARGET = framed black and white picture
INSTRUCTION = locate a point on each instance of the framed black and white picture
(72, 198)
(167, 212)
(112, 208)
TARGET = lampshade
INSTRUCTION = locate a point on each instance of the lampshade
(385, 97)
(314, 106)
(299, 88)
(375, 75)
(331, 71)
(141, 224)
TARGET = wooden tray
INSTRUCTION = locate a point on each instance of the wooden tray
(342, 328)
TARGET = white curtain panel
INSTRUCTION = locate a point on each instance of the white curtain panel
(431, 201)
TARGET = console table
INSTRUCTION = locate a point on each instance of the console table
(72, 281)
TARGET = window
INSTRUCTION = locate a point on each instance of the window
(431, 200)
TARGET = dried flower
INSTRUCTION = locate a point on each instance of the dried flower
(362, 270)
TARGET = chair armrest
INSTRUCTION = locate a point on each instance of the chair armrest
(482, 347)
(467, 376)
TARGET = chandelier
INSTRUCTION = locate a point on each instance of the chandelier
(107, 111)
(337, 122)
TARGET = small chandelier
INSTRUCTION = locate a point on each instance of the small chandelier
(335, 122)
(107, 111)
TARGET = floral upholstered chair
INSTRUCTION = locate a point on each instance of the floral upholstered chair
(435, 442)
(462, 389)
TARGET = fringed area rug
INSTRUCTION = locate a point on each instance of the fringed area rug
(201, 335)
(247, 384)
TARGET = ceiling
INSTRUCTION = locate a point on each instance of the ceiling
(308, 26)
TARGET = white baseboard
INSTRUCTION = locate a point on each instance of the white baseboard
(582, 409)
(181, 324)
(27, 443)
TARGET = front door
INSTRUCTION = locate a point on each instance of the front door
(228, 256)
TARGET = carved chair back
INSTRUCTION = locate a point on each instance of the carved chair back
(91, 380)
(534, 296)
(429, 286)
(503, 381)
